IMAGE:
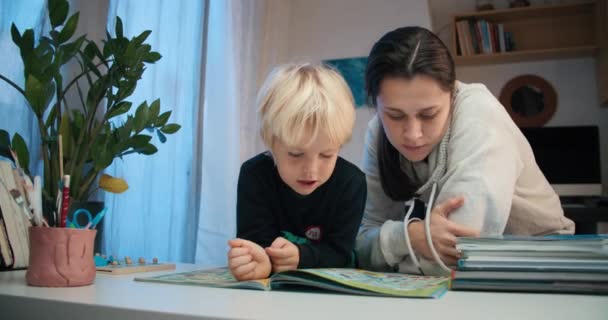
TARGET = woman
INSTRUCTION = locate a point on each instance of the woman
(434, 134)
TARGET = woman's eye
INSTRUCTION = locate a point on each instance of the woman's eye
(427, 116)
(327, 156)
(394, 116)
(295, 154)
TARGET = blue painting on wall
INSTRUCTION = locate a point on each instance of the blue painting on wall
(353, 71)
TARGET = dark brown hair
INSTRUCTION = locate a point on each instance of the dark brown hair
(404, 53)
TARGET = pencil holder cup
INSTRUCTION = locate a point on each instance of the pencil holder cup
(61, 257)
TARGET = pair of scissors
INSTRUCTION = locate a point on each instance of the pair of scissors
(90, 221)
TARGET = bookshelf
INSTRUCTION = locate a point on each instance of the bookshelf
(538, 33)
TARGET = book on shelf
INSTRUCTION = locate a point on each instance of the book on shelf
(352, 281)
(478, 36)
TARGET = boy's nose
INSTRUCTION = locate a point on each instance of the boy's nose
(310, 169)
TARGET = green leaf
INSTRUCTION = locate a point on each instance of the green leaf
(107, 49)
(89, 50)
(162, 119)
(70, 27)
(139, 141)
(170, 128)
(51, 117)
(96, 93)
(70, 49)
(16, 35)
(5, 144)
(27, 43)
(152, 57)
(130, 55)
(148, 149)
(54, 35)
(22, 152)
(119, 33)
(92, 50)
(141, 117)
(161, 136)
(103, 158)
(38, 94)
(77, 122)
(120, 108)
(5, 138)
(58, 11)
(125, 89)
(90, 65)
(142, 37)
(154, 110)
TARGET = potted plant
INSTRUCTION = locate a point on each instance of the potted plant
(93, 132)
(82, 137)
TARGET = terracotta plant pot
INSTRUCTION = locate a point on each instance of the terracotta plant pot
(61, 257)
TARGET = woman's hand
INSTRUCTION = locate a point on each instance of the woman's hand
(247, 260)
(283, 254)
(443, 233)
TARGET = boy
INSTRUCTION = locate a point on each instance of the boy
(299, 205)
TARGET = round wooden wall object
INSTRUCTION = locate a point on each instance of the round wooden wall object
(520, 95)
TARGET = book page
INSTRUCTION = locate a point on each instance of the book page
(388, 284)
(220, 278)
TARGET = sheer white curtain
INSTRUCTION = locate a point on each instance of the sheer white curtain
(15, 115)
(157, 216)
(245, 40)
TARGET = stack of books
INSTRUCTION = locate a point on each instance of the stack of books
(571, 263)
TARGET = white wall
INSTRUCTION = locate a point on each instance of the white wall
(574, 80)
(328, 29)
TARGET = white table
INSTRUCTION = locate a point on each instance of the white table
(119, 297)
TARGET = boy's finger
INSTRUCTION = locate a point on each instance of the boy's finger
(239, 261)
(284, 262)
(244, 269)
(247, 276)
(233, 243)
(277, 253)
(237, 252)
(279, 242)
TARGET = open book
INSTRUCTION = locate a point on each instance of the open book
(353, 281)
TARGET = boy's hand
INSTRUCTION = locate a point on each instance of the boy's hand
(443, 233)
(283, 254)
(247, 260)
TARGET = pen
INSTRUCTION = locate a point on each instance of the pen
(65, 203)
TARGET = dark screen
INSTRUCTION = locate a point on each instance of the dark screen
(566, 155)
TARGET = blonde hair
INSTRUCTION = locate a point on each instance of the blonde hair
(297, 101)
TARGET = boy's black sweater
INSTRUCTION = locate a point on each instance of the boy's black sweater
(329, 217)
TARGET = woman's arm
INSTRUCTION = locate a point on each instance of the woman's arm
(484, 163)
(381, 241)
